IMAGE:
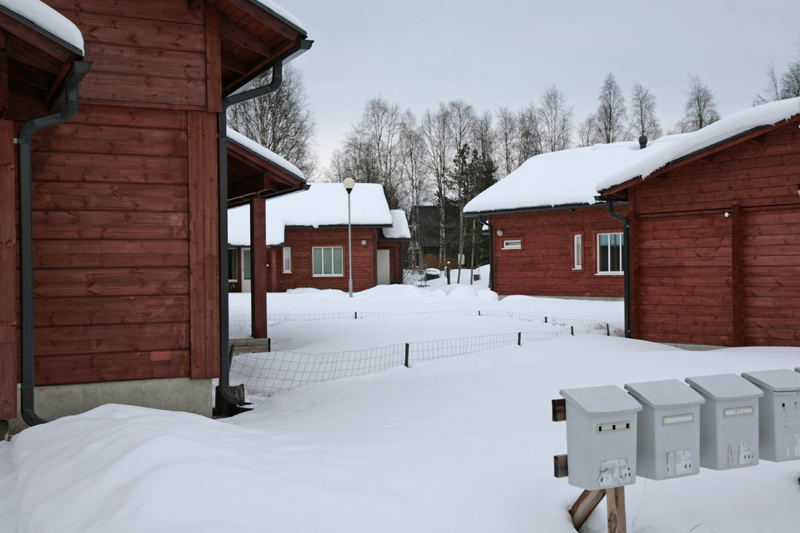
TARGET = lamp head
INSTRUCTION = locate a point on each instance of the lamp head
(349, 183)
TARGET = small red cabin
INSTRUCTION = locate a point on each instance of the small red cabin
(306, 239)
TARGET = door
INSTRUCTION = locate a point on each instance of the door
(384, 267)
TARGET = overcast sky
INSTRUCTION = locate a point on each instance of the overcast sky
(506, 53)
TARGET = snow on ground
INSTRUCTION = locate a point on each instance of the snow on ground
(459, 444)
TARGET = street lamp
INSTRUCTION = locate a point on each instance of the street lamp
(349, 183)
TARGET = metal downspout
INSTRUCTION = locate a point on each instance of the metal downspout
(625, 263)
(491, 251)
(77, 72)
(222, 157)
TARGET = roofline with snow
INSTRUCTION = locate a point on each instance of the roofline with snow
(281, 18)
(532, 209)
(688, 158)
(30, 24)
(271, 163)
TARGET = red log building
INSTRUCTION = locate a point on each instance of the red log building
(713, 216)
(124, 195)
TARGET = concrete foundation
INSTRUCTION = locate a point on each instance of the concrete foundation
(173, 394)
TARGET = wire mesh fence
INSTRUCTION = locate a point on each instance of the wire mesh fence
(266, 374)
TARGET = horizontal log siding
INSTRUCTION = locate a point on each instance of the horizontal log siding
(9, 285)
(146, 51)
(302, 240)
(684, 278)
(544, 265)
(685, 287)
(771, 266)
(111, 246)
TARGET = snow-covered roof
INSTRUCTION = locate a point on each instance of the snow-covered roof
(269, 5)
(574, 177)
(323, 204)
(267, 155)
(689, 143)
(45, 20)
(399, 229)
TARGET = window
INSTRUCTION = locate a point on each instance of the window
(609, 253)
(512, 244)
(233, 264)
(246, 263)
(577, 252)
(327, 261)
(287, 260)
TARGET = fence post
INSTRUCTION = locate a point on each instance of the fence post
(608, 330)
(545, 320)
(406, 355)
(519, 339)
(479, 313)
(356, 315)
(572, 330)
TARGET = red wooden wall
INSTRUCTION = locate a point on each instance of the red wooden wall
(302, 240)
(124, 200)
(544, 264)
(701, 277)
(9, 274)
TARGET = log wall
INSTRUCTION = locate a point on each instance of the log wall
(302, 240)
(544, 264)
(718, 250)
(125, 203)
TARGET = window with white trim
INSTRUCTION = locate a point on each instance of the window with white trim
(287, 260)
(577, 252)
(327, 260)
(609, 253)
(512, 244)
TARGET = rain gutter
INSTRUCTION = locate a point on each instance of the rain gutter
(626, 251)
(77, 72)
(222, 158)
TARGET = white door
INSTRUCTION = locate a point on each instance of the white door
(384, 270)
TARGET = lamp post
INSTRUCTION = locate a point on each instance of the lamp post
(349, 183)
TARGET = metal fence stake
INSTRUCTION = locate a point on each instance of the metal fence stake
(519, 339)
(407, 347)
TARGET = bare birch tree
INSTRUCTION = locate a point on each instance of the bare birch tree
(506, 134)
(437, 139)
(281, 121)
(700, 109)
(555, 120)
(611, 118)
(643, 113)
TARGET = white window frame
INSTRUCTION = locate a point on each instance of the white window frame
(577, 251)
(333, 262)
(287, 260)
(621, 255)
(512, 244)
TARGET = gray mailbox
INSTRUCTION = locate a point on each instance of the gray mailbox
(778, 414)
(601, 437)
(728, 421)
(668, 438)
